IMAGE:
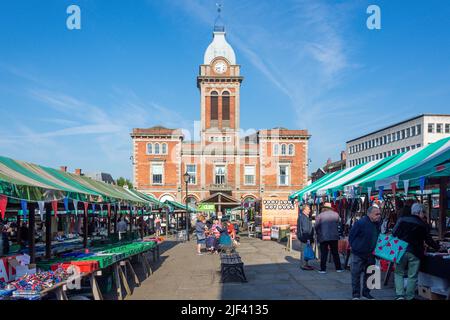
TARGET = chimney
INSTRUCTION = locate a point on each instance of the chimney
(343, 155)
(63, 168)
(329, 161)
(78, 172)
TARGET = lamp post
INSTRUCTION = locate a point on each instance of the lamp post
(186, 177)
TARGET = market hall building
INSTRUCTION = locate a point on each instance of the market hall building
(225, 168)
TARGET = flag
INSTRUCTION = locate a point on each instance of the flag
(55, 207)
(3, 204)
(23, 204)
(406, 186)
(41, 205)
(75, 206)
(66, 204)
(380, 194)
(422, 184)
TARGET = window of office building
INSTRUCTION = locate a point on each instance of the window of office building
(398, 135)
(447, 128)
(408, 148)
(249, 172)
(419, 145)
(431, 128)
(439, 127)
(413, 131)
(403, 149)
(403, 134)
(408, 132)
(419, 129)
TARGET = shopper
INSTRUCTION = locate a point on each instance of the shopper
(327, 225)
(200, 228)
(415, 232)
(158, 225)
(305, 234)
(363, 240)
(6, 230)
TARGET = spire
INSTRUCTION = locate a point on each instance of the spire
(218, 24)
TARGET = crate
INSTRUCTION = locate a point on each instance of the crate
(425, 292)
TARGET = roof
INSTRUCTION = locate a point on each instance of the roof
(283, 132)
(400, 123)
(219, 47)
(156, 131)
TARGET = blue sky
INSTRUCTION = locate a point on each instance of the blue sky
(72, 97)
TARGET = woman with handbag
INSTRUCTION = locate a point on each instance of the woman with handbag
(305, 234)
(200, 228)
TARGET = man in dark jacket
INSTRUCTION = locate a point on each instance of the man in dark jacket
(305, 234)
(363, 240)
(415, 232)
(327, 228)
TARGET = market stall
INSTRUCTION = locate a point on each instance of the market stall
(56, 196)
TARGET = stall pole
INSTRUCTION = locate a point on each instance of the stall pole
(85, 229)
(48, 231)
(443, 204)
(108, 223)
(115, 219)
(31, 230)
(131, 221)
(19, 238)
(142, 224)
(430, 207)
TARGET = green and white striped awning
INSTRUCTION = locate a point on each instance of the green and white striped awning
(428, 161)
(299, 194)
(350, 174)
(25, 181)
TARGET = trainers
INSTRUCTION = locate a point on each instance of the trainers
(368, 296)
(323, 272)
(199, 254)
(356, 298)
(340, 270)
(399, 298)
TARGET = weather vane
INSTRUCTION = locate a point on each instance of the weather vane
(218, 25)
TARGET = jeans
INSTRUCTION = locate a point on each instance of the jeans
(360, 265)
(408, 265)
(303, 262)
(324, 254)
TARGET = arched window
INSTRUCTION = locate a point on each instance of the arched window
(283, 149)
(149, 148)
(164, 148)
(225, 105)
(156, 148)
(275, 149)
(291, 149)
(214, 105)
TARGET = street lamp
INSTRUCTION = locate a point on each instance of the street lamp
(186, 177)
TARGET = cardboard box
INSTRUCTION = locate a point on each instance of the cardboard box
(425, 292)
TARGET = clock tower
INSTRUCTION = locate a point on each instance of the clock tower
(219, 83)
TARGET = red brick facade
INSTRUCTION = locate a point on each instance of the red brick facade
(221, 158)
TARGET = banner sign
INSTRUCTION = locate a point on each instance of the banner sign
(206, 207)
(279, 211)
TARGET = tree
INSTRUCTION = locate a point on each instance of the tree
(122, 182)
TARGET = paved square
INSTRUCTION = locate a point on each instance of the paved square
(273, 273)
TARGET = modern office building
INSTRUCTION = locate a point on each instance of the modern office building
(398, 138)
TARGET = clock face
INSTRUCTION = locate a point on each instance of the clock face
(220, 67)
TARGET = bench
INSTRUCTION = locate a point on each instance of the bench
(232, 268)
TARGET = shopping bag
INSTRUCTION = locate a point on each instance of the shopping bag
(308, 253)
(390, 248)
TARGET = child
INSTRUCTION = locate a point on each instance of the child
(210, 242)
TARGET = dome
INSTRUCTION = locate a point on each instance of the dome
(219, 47)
